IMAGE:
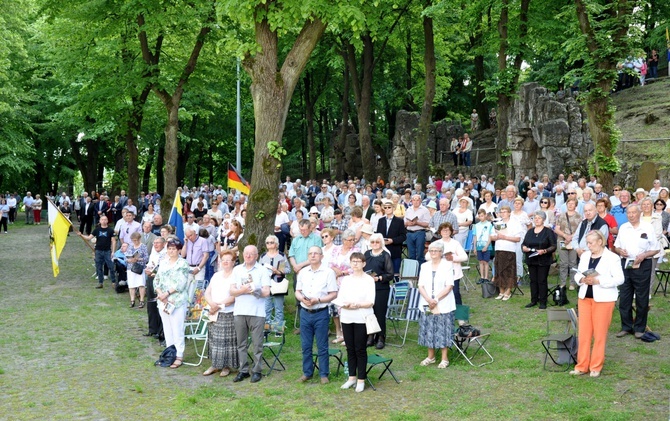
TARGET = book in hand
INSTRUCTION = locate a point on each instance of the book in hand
(588, 272)
(630, 264)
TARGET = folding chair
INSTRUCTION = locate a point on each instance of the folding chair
(663, 278)
(198, 331)
(377, 359)
(403, 306)
(560, 345)
(409, 271)
(332, 353)
(275, 346)
(517, 288)
(472, 344)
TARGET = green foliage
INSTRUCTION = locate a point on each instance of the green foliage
(276, 151)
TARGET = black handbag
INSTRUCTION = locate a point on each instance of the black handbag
(489, 290)
(137, 268)
(167, 357)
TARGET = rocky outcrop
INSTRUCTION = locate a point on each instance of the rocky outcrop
(547, 133)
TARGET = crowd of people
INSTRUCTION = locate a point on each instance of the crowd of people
(343, 242)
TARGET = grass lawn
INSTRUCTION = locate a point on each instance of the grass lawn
(73, 352)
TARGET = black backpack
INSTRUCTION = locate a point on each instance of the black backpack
(560, 296)
(167, 357)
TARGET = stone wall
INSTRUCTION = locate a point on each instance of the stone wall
(547, 134)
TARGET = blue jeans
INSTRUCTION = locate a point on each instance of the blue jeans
(314, 324)
(104, 258)
(276, 302)
(466, 159)
(416, 242)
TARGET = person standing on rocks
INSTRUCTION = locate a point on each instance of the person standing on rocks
(474, 121)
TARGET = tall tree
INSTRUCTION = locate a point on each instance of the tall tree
(425, 120)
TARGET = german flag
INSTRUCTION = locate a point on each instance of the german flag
(236, 181)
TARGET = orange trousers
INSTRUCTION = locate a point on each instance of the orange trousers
(594, 322)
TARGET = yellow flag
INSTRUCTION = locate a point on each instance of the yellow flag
(59, 226)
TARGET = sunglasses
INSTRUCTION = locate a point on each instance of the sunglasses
(617, 189)
(544, 202)
(572, 193)
(387, 207)
(325, 236)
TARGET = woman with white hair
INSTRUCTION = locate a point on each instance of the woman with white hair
(278, 265)
(379, 265)
(539, 244)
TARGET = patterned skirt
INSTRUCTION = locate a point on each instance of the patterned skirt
(436, 330)
(223, 342)
(505, 265)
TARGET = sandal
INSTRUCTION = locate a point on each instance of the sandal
(428, 361)
(443, 364)
(507, 297)
(177, 363)
(500, 296)
(225, 372)
(210, 371)
(338, 340)
(132, 304)
(141, 304)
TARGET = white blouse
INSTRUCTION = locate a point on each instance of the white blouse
(355, 289)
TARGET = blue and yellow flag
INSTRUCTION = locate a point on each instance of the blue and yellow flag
(59, 226)
(176, 219)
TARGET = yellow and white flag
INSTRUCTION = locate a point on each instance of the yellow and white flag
(59, 226)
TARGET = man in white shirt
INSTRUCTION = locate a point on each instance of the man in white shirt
(637, 245)
(316, 287)
(417, 219)
(251, 285)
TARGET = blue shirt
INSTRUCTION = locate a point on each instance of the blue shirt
(619, 213)
(300, 246)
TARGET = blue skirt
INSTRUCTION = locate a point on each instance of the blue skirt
(436, 330)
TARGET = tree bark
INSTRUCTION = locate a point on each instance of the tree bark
(146, 177)
(309, 120)
(88, 165)
(429, 95)
(338, 147)
(271, 91)
(134, 125)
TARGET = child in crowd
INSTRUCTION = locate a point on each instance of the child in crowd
(482, 239)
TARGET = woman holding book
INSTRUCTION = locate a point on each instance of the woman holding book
(222, 338)
(598, 276)
(539, 246)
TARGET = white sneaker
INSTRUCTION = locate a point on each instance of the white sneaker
(106, 277)
(348, 384)
(360, 386)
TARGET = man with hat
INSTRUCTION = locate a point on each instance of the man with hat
(394, 232)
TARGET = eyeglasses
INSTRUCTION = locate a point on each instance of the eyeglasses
(349, 239)
(356, 261)
(314, 253)
(375, 242)
(270, 242)
(617, 189)
(325, 236)
(434, 251)
(572, 193)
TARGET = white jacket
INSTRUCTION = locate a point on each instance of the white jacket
(610, 276)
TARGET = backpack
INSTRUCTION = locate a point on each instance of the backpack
(560, 296)
(167, 357)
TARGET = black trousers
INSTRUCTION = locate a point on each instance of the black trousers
(380, 306)
(538, 283)
(636, 282)
(356, 336)
(12, 214)
(153, 317)
(86, 224)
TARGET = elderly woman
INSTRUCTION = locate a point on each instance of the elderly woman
(437, 305)
(278, 265)
(136, 254)
(327, 237)
(539, 245)
(508, 233)
(356, 298)
(566, 228)
(465, 217)
(398, 208)
(520, 215)
(454, 253)
(351, 204)
(379, 265)
(295, 225)
(115, 210)
(340, 264)
(598, 277)
(37, 209)
(171, 286)
(222, 338)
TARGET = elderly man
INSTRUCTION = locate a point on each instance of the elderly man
(637, 246)
(620, 211)
(101, 208)
(508, 197)
(590, 222)
(87, 213)
(392, 228)
(318, 201)
(444, 215)
(158, 223)
(196, 253)
(105, 245)
(250, 287)
(158, 252)
(417, 221)
(28, 204)
(531, 204)
(147, 236)
(316, 287)
(297, 254)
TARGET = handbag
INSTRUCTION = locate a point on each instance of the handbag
(489, 290)
(137, 268)
(279, 288)
(371, 324)
(167, 357)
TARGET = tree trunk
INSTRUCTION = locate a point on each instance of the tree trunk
(322, 123)
(599, 112)
(88, 165)
(134, 125)
(120, 168)
(271, 91)
(409, 100)
(160, 169)
(309, 120)
(171, 158)
(429, 95)
(338, 147)
(480, 93)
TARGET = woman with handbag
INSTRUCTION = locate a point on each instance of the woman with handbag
(136, 260)
(171, 286)
(379, 265)
(437, 305)
(356, 298)
(276, 263)
(221, 330)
